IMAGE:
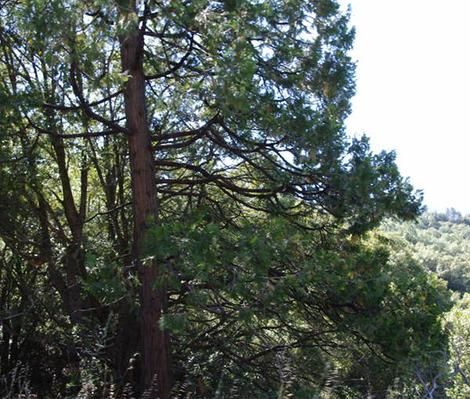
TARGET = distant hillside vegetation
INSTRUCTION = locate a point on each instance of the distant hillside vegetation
(441, 244)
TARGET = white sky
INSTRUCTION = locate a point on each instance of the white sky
(413, 91)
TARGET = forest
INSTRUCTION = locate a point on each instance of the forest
(184, 215)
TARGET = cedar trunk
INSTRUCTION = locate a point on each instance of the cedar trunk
(155, 352)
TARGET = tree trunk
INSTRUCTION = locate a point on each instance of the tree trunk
(5, 325)
(155, 354)
(73, 259)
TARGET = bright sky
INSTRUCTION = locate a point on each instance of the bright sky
(413, 91)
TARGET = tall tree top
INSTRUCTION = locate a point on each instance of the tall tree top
(246, 97)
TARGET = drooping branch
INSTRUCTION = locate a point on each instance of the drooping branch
(65, 108)
(175, 65)
(220, 180)
(199, 132)
(86, 107)
(41, 130)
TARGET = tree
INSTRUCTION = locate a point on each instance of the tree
(230, 107)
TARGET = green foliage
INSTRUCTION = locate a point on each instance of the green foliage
(458, 325)
(440, 244)
(275, 285)
(263, 288)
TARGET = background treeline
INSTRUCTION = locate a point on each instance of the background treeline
(439, 243)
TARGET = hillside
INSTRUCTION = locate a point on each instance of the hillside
(441, 244)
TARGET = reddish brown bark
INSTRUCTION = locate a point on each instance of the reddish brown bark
(155, 354)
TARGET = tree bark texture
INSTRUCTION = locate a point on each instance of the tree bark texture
(155, 351)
